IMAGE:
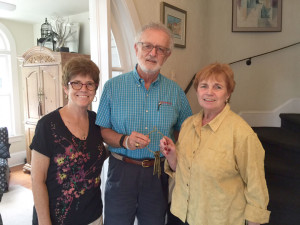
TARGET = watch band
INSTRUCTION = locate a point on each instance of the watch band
(122, 140)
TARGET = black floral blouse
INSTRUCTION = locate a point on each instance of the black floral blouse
(73, 178)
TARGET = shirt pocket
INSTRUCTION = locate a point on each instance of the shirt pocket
(167, 112)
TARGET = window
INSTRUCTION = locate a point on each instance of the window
(115, 58)
(5, 84)
(9, 92)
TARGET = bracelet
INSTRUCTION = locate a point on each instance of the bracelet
(126, 142)
(122, 140)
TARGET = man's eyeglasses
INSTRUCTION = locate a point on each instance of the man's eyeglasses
(76, 85)
(147, 47)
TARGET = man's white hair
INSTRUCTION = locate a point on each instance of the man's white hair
(156, 26)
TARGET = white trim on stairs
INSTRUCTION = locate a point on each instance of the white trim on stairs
(271, 118)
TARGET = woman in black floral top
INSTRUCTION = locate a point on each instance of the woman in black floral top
(68, 154)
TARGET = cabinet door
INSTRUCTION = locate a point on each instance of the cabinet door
(52, 89)
(31, 97)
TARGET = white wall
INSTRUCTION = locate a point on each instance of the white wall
(272, 79)
(22, 32)
(183, 63)
(269, 82)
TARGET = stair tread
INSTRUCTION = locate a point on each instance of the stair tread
(282, 167)
(283, 195)
(280, 136)
(291, 121)
(282, 170)
(293, 117)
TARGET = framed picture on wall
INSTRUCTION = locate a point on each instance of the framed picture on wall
(256, 15)
(175, 19)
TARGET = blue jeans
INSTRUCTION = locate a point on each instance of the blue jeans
(133, 191)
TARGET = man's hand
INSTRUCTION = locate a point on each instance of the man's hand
(136, 141)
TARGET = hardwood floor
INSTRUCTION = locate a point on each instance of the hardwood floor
(18, 177)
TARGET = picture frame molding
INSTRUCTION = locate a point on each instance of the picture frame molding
(168, 8)
(235, 27)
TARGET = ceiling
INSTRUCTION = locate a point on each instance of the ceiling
(35, 11)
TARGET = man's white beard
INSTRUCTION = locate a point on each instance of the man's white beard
(149, 71)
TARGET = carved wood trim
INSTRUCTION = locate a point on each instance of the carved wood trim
(39, 55)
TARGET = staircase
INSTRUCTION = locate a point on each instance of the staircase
(282, 168)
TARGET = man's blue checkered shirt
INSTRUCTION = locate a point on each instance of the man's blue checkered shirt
(126, 106)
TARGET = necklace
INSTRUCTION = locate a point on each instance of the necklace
(78, 126)
(76, 130)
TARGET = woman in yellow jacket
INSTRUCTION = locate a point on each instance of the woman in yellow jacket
(218, 161)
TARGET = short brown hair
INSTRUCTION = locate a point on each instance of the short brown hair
(216, 70)
(80, 66)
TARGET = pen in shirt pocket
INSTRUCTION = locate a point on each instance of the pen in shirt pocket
(162, 103)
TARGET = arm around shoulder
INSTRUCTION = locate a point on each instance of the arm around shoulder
(111, 137)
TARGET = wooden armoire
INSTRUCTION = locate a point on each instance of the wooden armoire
(42, 88)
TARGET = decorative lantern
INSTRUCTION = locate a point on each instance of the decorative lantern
(46, 29)
(47, 39)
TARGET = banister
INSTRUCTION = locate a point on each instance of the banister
(248, 63)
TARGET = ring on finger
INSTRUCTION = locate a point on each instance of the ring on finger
(137, 144)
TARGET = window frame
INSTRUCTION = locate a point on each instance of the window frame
(15, 133)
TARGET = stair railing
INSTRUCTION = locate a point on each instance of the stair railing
(248, 63)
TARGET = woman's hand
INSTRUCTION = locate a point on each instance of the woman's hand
(168, 149)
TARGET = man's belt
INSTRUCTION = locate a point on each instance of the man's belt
(143, 163)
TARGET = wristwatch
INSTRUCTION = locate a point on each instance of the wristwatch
(122, 140)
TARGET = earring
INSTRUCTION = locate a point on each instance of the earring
(95, 100)
(227, 100)
(66, 96)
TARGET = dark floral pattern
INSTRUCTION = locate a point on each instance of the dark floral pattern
(72, 173)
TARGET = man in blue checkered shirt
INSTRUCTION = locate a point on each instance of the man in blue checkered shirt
(136, 109)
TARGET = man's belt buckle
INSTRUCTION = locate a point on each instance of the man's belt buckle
(145, 161)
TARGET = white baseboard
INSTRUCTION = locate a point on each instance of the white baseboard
(17, 158)
(271, 118)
